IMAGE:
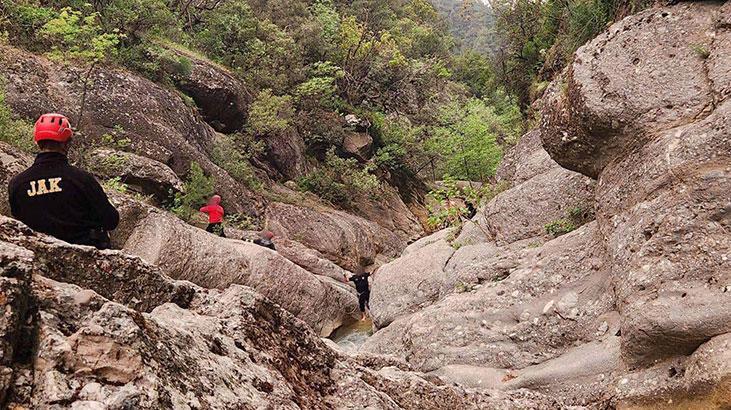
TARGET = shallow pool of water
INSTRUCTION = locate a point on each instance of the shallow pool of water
(351, 336)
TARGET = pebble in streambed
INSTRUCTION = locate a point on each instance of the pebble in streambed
(351, 337)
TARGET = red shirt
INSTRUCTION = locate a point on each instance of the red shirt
(215, 213)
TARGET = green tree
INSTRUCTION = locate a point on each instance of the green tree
(198, 188)
(466, 140)
(270, 113)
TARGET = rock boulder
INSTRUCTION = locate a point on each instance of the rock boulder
(141, 174)
(216, 262)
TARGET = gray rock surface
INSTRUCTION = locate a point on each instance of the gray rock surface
(358, 144)
(141, 174)
(225, 349)
(216, 262)
(12, 162)
(619, 90)
(409, 283)
(342, 238)
(222, 98)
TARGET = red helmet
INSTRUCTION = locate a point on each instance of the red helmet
(55, 127)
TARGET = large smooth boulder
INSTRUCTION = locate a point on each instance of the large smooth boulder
(155, 120)
(343, 238)
(143, 175)
(646, 73)
(222, 98)
(286, 151)
(216, 262)
(523, 211)
(389, 211)
(540, 192)
(659, 140)
(666, 213)
(409, 283)
(519, 307)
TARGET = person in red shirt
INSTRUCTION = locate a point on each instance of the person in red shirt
(215, 215)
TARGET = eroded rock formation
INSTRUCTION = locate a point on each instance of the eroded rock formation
(631, 310)
(70, 346)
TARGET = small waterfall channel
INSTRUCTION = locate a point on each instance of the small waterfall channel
(351, 336)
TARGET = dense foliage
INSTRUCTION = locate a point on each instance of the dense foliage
(537, 38)
(308, 64)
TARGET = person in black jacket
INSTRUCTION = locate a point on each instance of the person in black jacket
(58, 199)
(266, 240)
(360, 278)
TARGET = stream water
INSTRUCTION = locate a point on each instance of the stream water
(351, 336)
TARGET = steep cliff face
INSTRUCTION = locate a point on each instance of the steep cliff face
(631, 310)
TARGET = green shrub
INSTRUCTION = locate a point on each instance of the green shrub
(575, 217)
(559, 227)
(16, 132)
(115, 184)
(466, 140)
(240, 221)
(76, 35)
(341, 180)
(270, 114)
(198, 188)
(232, 154)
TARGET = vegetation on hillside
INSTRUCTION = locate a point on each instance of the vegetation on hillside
(438, 105)
(536, 38)
(309, 63)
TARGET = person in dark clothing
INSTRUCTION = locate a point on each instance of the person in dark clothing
(360, 278)
(58, 199)
(266, 240)
(215, 216)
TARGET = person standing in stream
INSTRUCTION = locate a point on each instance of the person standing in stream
(57, 198)
(215, 216)
(360, 278)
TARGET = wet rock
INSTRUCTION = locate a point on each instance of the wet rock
(143, 175)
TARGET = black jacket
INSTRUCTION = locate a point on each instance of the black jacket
(56, 198)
